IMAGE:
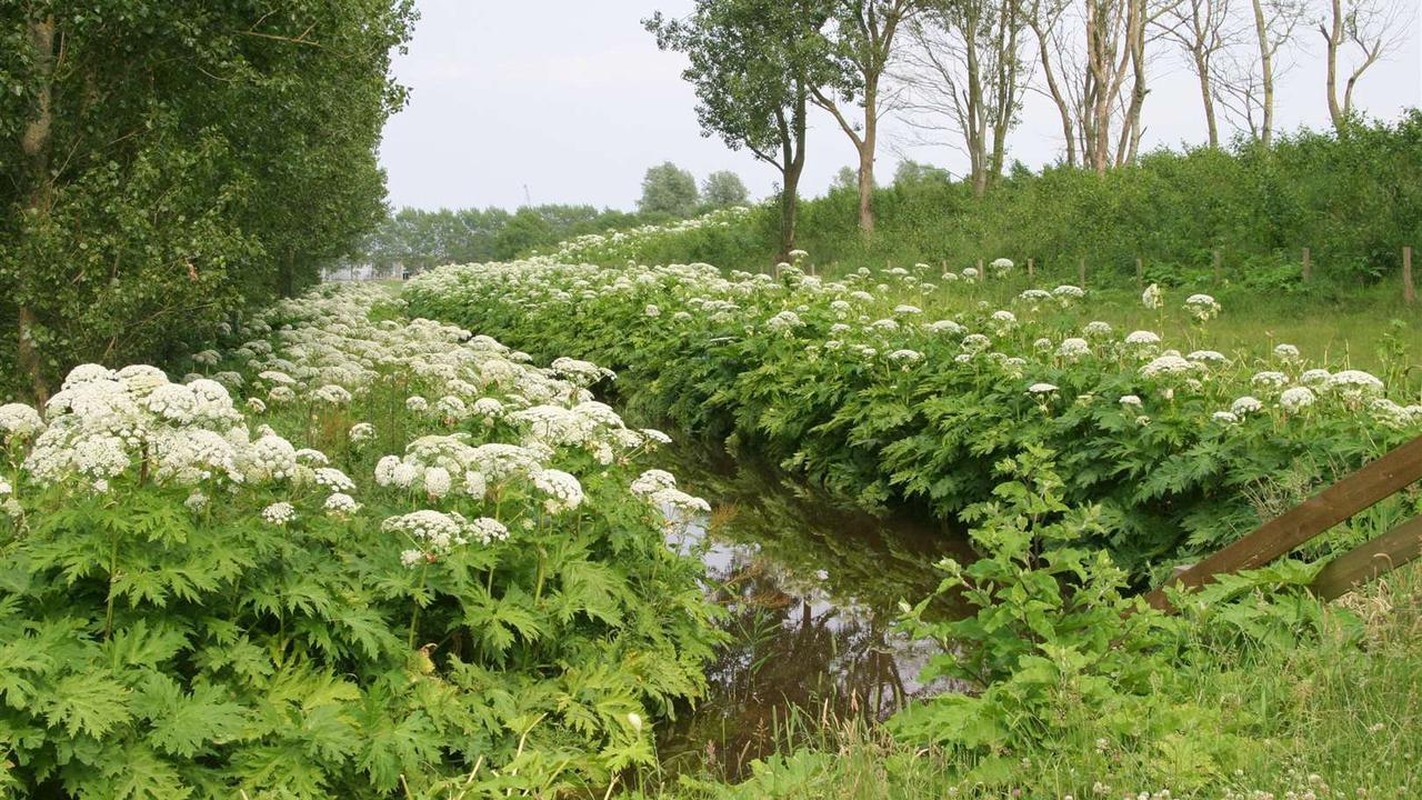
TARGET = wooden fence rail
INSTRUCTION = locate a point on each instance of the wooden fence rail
(1379, 479)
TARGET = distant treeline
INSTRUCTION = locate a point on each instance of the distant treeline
(416, 239)
(1354, 199)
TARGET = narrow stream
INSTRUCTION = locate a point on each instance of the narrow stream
(811, 590)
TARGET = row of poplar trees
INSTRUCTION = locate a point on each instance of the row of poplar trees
(167, 163)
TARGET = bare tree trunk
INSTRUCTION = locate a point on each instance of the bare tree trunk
(1043, 30)
(1266, 73)
(1135, 45)
(1207, 96)
(1373, 27)
(35, 145)
(1333, 39)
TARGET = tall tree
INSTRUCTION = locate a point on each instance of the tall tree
(722, 189)
(1372, 28)
(1247, 82)
(862, 37)
(1204, 30)
(1047, 20)
(670, 190)
(967, 67)
(165, 162)
(753, 65)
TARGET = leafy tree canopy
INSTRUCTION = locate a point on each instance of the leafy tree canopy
(723, 188)
(668, 189)
(163, 164)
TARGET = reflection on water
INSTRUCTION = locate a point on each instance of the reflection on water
(811, 590)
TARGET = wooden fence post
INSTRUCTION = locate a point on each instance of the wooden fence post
(1081, 272)
(1307, 266)
(1409, 289)
(1218, 269)
(982, 273)
(1140, 272)
(1031, 270)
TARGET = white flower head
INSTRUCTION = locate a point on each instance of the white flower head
(1151, 298)
(1296, 398)
(279, 513)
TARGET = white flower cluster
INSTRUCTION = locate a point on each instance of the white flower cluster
(1151, 297)
(19, 421)
(105, 422)
(279, 513)
(1202, 307)
(563, 490)
(437, 533)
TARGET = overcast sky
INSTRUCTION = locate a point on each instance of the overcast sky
(570, 101)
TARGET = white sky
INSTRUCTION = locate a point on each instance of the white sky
(570, 101)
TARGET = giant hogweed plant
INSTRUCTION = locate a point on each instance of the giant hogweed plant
(195, 602)
(878, 401)
(1060, 661)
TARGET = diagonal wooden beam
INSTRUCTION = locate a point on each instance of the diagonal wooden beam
(1377, 480)
(1363, 564)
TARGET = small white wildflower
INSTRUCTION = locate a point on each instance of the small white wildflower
(19, 421)
(1354, 384)
(362, 432)
(437, 481)
(1225, 417)
(1202, 307)
(281, 394)
(1286, 352)
(1041, 388)
(1246, 405)
(1269, 379)
(1151, 297)
(279, 513)
(1074, 348)
(332, 394)
(1096, 329)
(417, 404)
(652, 310)
(341, 503)
(333, 479)
(1167, 365)
(1296, 398)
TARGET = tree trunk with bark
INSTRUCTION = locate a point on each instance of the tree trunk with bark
(35, 143)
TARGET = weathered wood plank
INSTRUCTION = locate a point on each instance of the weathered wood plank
(1372, 483)
(1363, 564)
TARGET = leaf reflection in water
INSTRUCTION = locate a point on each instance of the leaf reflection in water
(811, 589)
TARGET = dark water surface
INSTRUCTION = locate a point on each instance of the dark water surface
(811, 589)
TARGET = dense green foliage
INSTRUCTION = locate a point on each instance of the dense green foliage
(203, 598)
(851, 385)
(722, 189)
(669, 191)
(1353, 199)
(171, 162)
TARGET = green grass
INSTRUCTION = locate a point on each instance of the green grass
(1368, 329)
